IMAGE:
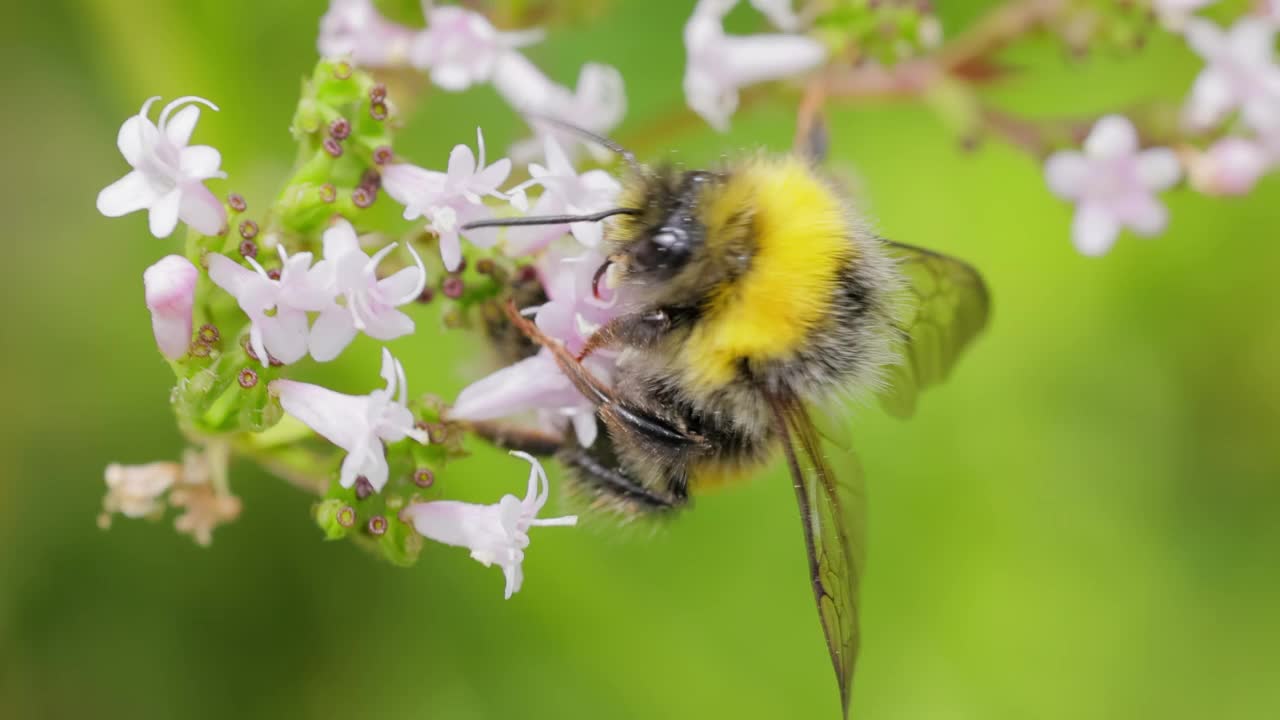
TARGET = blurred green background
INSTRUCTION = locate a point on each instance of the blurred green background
(1082, 524)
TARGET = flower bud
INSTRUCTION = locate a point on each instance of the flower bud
(170, 287)
(1231, 166)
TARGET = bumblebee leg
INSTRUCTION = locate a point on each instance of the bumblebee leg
(609, 483)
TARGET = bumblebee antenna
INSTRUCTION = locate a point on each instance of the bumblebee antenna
(549, 219)
(600, 140)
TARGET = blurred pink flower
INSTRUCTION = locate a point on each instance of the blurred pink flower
(167, 176)
(277, 309)
(135, 490)
(461, 47)
(370, 304)
(1231, 166)
(1113, 184)
(564, 191)
(719, 65)
(495, 534)
(355, 29)
(1174, 14)
(597, 104)
(450, 200)
(359, 424)
(170, 288)
(1241, 73)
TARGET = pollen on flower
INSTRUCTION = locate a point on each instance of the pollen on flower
(377, 525)
(340, 128)
(328, 193)
(208, 334)
(248, 248)
(200, 350)
(247, 378)
(452, 287)
(378, 93)
(424, 478)
(248, 230)
(382, 155)
(333, 147)
(347, 517)
(236, 202)
(378, 110)
(362, 197)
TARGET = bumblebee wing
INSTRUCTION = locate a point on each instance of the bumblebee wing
(833, 514)
(947, 307)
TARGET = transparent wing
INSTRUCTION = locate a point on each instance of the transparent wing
(947, 306)
(833, 512)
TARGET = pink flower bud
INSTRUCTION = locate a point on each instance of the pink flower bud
(170, 291)
(1230, 166)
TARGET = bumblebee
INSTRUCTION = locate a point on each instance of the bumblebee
(756, 294)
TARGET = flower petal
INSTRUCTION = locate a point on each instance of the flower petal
(128, 194)
(200, 162)
(179, 126)
(336, 417)
(285, 335)
(1145, 215)
(1094, 230)
(1158, 168)
(530, 384)
(164, 213)
(137, 135)
(1112, 136)
(388, 324)
(450, 250)
(462, 165)
(1212, 97)
(332, 332)
(1066, 172)
(202, 210)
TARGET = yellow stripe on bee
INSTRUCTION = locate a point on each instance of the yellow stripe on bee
(801, 241)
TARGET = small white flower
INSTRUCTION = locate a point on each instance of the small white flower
(564, 192)
(355, 29)
(1231, 166)
(495, 534)
(168, 174)
(137, 490)
(719, 64)
(1241, 73)
(358, 424)
(170, 288)
(370, 303)
(461, 47)
(452, 199)
(277, 309)
(1113, 184)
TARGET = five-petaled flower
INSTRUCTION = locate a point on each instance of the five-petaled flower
(168, 175)
(452, 199)
(359, 424)
(1113, 184)
(277, 309)
(170, 289)
(564, 191)
(720, 64)
(1241, 74)
(369, 303)
(497, 533)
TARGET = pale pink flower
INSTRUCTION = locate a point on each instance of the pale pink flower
(1231, 166)
(277, 309)
(168, 174)
(564, 191)
(450, 200)
(495, 534)
(355, 29)
(137, 490)
(1241, 74)
(461, 47)
(779, 12)
(1174, 14)
(718, 65)
(170, 289)
(1113, 184)
(597, 104)
(359, 424)
(369, 303)
(571, 315)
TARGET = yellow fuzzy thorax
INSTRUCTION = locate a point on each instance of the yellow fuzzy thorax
(802, 240)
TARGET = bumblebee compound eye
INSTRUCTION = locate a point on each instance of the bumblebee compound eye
(667, 248)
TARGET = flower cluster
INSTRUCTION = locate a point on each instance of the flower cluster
(460, 48)
(1113, 182)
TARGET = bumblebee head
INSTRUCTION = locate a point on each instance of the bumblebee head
(656, 244)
